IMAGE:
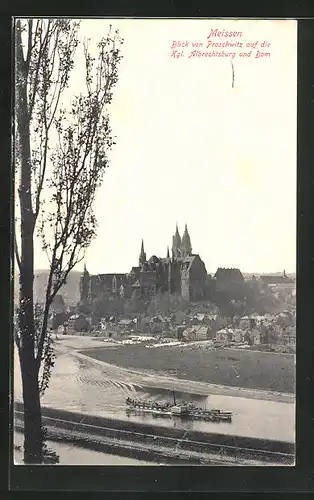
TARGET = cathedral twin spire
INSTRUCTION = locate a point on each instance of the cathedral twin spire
(176, 244)
(186, 241)
(181, 247)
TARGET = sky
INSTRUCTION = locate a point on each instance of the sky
(190, 149)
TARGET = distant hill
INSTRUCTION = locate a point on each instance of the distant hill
(70, 291)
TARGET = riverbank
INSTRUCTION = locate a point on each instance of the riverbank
(157, 444)
(149, 379)
(191, 370)
(227, 367)
(80, 383)
(71, 454)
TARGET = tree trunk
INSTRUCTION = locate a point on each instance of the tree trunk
(29, 371)
(33, 439)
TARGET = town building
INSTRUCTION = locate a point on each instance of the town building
(289, 337)
(237, 335)
(126, 325)
(246, 322)
(77, 323)
(224, 335)
(256, 337)
(184, 273)
(280, 284)
(195, 332)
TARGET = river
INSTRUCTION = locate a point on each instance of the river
(82, 385)
(75, 455)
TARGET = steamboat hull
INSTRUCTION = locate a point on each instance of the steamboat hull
(183, 412)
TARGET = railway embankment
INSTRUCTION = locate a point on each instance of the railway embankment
(159, 443)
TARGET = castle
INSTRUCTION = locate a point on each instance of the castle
(184, 273)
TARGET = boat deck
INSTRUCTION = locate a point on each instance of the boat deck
(182, 410)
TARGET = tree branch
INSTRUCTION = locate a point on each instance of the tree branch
(29, 44)
(78, 165)
(43, 47)
(16, 251)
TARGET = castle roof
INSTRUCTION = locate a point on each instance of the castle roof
(229, 274)
(135, 270)
(276, 279)
(190, 258)
(154, 260)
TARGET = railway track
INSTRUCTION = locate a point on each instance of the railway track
(137, 443)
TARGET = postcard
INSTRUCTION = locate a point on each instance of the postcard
(155, 241)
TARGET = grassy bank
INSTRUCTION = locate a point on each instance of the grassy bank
(250, 370)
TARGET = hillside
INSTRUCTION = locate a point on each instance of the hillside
(70, 291)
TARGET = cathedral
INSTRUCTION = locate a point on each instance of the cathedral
(184, 273)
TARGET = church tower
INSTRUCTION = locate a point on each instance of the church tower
(142, 257)
(84, 285)
(176, 244)
(186, 246)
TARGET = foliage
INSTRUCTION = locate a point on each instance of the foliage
(167, 304)
(49, 362)
(49, 456)
(58, 319)
(48, 351)
(105, 305)
(245, 300)
(84, 308)
(270, 336)
(134, 306)
(61, 154)
(78, 158)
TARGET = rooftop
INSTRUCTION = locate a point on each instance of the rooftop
(229, 273)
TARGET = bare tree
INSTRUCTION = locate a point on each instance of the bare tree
(61, 147)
